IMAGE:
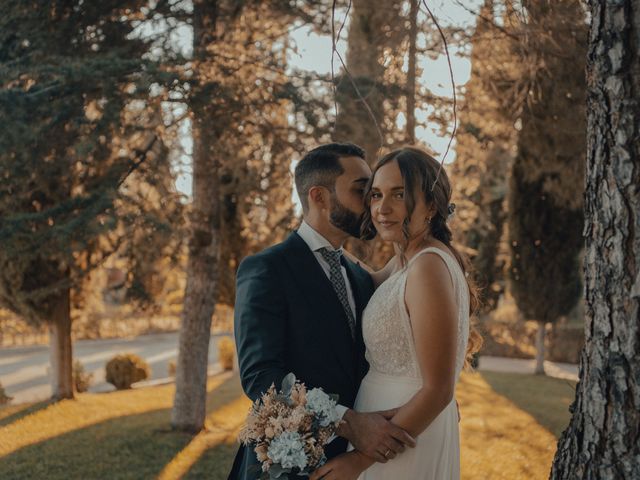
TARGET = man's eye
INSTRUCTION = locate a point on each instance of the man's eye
(360, 191)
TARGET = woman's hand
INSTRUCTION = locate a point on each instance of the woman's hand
(347, 466)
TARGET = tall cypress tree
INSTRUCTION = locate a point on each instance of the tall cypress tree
(545, 212)
(484, 152)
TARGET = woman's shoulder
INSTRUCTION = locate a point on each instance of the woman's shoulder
(431, 265)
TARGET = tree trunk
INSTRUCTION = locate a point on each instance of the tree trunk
(189, 409)
(540, 334)
(410, 137)
(60, 348)
(601, 441)
(370, 34)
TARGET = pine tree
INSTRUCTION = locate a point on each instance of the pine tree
(240, 99)
(74, 94)
(601, 440)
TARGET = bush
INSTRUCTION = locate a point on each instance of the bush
(4, 398)
(172, 368)
(81, 379)
(226, 353)
(126, 369)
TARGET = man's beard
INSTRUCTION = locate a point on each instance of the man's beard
(344, 219)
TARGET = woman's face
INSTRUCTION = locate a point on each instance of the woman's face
(388, 209)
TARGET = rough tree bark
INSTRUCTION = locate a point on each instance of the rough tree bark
(411, 74)
(60, 348)
(601, 441)
(540, 334)
(189, 409)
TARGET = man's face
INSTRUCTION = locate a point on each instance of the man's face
(347, 201)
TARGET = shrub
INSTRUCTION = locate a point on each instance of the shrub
(226, 353)
(81, 379)
(125, 369)
(4, 398)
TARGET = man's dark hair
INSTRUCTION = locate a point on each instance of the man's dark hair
(321, 166)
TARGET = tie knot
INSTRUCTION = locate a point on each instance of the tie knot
(331, 256)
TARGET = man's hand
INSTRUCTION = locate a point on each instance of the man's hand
(374, 435)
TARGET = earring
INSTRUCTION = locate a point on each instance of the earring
(427, 231)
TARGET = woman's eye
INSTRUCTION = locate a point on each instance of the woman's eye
(399, 195)
(375, 195)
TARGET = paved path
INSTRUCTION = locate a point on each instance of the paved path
(24, 370)
(567, 371)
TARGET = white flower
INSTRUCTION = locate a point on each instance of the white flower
(287, 449)
(321, 405)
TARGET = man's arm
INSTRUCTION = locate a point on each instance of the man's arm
(260, 319)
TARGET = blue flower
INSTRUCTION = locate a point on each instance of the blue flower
(287, 450)
(321, 405)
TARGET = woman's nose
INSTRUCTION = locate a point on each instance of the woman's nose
(384, 206)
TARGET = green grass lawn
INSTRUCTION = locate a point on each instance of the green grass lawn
(508, 429)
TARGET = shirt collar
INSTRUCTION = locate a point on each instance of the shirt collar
(313, 239)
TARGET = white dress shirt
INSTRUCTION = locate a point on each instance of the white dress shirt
(315, 242)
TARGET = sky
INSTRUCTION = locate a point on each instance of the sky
(314, 55)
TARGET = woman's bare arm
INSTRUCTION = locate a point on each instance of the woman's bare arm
(431, 303)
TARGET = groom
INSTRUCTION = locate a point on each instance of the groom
(299, 306)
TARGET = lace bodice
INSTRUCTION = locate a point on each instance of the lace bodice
(387, 329)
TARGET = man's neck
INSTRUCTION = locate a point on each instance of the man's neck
(333, 235)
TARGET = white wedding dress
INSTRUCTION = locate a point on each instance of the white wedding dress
(394, 377)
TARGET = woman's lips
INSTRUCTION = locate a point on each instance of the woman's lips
(386, 224)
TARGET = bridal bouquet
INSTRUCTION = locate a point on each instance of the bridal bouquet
(289, 429)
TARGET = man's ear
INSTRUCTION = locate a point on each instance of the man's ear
(319, 196)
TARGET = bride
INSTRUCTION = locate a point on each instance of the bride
(416, 326)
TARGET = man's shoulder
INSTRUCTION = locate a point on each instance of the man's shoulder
(362, 275)
(270, 255)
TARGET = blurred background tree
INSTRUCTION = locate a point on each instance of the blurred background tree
(545, 205)
(485, 147)
(75, 93)
(240, 99)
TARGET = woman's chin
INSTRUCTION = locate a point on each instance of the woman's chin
(389, 235)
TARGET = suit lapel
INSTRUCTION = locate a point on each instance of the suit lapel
(323, 299)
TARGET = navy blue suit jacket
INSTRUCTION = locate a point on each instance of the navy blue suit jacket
(288, 319)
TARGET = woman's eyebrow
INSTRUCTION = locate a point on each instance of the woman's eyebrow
(393, 189)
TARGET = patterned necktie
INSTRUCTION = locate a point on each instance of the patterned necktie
(337, 280)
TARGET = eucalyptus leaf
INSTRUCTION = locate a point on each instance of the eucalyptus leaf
(277, 472)
(287, 384)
